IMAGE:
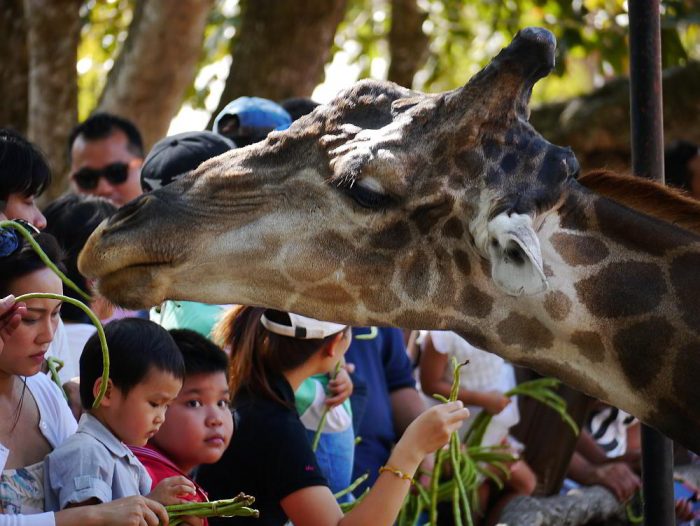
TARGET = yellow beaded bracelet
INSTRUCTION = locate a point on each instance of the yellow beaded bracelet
(396, 472)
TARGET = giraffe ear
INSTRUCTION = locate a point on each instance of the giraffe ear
(516, 258)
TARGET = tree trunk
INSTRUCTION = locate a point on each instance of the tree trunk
(157, 64)
(597, 126)
(53, 28)
(15, 67)
(549, 441)
(408, 44)
(281, 48)
(588, 505)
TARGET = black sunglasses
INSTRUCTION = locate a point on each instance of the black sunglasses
(87, 178)
(11, 239)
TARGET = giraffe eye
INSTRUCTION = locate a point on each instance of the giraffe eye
(368, 198)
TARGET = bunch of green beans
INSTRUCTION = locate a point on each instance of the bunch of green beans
(239, 506)
(469, 462)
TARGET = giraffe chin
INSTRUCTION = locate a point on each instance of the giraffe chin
(146, 286)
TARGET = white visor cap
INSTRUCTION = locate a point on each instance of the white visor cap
(302, 327)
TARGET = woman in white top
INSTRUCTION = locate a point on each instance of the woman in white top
(34, 417)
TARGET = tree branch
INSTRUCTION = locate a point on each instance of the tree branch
(157, 64)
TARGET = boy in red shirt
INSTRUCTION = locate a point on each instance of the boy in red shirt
(199, 424)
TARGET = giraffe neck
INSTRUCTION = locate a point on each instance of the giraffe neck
(621, 310)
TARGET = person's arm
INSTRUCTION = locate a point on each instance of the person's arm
(616, 476)
(432, 378)
(316, 506)
(406, 406)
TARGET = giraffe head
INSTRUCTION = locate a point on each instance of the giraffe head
(383, 199)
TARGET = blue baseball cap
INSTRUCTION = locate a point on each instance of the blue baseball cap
(249, 119)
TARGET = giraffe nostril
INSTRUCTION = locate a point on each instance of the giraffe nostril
(515, 254)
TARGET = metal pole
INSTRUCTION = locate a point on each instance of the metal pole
(648, 161)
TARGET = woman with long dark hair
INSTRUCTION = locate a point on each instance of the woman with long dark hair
(270, 457)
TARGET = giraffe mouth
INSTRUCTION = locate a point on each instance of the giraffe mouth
(146, 278)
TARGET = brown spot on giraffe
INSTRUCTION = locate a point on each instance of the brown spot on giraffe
(416, 276)
(394, 236)
(685, 374)
(685, 279)
(578, 250)
(640, 348)
(475, 302)
(590, 344)
(627, 230)
(427, 215)
(622, 289)
(332, 293)
(557, 304)
(462, 262)
(573, 216)
(377, 298)
(475, 337)
(453, 228)
(528, 333)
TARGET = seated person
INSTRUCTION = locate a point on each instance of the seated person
(483, 382)
(270, 457)
(95, 465)
(199, 424)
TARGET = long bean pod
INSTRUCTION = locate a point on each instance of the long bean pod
(95, 321)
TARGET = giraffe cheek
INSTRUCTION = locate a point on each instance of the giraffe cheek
(516, 258)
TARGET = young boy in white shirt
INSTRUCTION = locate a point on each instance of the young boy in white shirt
(96, 465)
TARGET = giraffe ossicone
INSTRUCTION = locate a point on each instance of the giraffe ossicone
(434, 211)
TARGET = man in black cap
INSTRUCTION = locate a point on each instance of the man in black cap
(174, 156)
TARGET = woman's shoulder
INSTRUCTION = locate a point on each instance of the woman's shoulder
(56, 420)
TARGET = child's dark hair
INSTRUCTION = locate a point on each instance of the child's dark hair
(25, 261)
(201, 355)
(257, 354)
(23, 167)
(135, 347)
(71, 219)
(101, 125)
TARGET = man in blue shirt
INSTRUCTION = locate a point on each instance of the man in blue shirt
(384, 401)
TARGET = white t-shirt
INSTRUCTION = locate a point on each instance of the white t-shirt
(56, 423)
(484, 372)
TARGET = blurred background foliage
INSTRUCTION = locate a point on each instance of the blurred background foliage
(464, 35)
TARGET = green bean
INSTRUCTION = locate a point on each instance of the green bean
(44, 258)
(324, 415)
(95, 321)
(359, 480)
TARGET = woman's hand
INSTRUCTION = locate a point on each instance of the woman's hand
(128, 511)
(10, 315)
(431, 430)
(340, 388)
(172, 490)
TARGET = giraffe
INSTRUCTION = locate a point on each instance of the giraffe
(444, 211)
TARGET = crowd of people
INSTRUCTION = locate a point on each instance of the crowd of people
(206, 401)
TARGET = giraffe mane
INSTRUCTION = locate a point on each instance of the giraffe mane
(646, 196)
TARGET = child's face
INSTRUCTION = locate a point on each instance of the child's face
(136, 417)
(199, 424)
(25, 349)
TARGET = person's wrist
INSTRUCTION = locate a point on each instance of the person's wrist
(405, 459)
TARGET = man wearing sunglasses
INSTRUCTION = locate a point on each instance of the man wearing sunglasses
(106, 153)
